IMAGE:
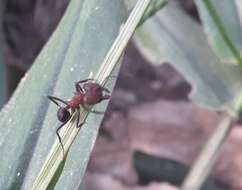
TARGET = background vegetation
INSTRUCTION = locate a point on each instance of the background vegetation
(145, 137)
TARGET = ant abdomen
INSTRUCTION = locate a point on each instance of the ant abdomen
(63, 114)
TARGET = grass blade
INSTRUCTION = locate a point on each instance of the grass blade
(221, 21)
(153, 8)
(69, 131)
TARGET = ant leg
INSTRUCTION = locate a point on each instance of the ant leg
(105, 97)
(83, 81)
(80, 124)
(92, 111)
(105, 89)
(78, 119)
(110, 76)
(78, 87)
(105, 81)
(97, 112)
(55, 99)
(58, 135)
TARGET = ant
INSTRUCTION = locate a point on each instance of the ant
(89, 94)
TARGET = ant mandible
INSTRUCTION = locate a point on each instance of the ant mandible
(87, 95)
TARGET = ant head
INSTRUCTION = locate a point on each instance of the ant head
(63, 114)
(93, 93)
(91, 87)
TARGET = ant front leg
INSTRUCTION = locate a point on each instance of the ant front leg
(78, 87)
(85, 80)
(55, 99)
(105, 80)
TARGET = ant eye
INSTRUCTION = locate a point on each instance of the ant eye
(87, 86)
(63, 114)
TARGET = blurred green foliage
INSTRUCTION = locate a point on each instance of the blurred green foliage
(172, 36)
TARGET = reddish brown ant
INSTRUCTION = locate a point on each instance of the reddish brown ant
(87, 95)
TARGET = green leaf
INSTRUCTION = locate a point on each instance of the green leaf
(171, 36)
(221, 20)
(28, 123)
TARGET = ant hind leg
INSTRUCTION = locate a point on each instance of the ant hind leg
(58, 135)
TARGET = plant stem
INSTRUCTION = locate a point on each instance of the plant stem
(205, 161)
